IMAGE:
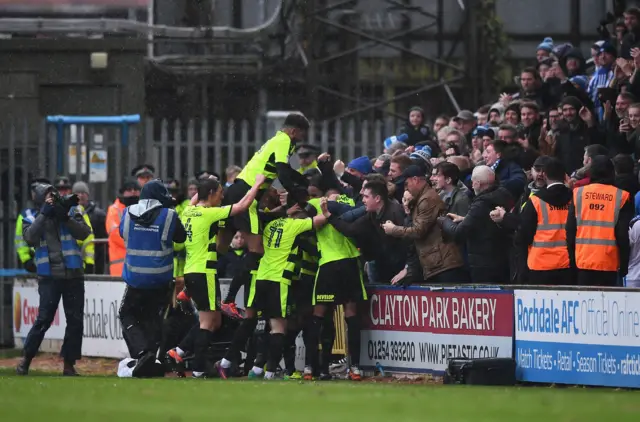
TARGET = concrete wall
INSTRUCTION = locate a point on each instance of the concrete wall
(40, 77)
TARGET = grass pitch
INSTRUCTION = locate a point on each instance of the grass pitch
(111, 399)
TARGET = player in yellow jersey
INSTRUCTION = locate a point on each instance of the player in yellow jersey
(272, 161)
(200, 222)
(271, 295)
(339, 281)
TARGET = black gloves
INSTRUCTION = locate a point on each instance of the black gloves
(89, 269)
(48, 210)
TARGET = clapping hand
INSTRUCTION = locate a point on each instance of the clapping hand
(324, 207)
(497, 215)
(455, 217)
(388, 226)
(324, 157)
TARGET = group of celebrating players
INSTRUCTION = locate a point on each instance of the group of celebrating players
(298, 267)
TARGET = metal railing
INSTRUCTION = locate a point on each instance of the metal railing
(177, 149)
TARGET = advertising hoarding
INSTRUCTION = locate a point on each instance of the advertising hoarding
(417, 331)
(578, 337)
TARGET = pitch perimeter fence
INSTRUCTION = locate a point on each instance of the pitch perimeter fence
(561, 335)
(102, 150)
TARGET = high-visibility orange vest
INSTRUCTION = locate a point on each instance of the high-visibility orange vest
(117, 250)
(549, 248)
(597, 210)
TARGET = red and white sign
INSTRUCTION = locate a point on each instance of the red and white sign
(102, 334)
(418, 330)
(26, 303)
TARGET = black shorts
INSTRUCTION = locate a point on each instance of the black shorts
(248, 221)
(271, 299)
(339, 282)
(250, 288)
(303, 290)
(204, 289)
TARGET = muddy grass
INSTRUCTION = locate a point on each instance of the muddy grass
(52, 363)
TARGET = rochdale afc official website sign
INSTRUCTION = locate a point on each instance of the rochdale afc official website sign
(417, 330)
(578, 337)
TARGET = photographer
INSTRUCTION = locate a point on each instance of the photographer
(55, 232)
(24, 251)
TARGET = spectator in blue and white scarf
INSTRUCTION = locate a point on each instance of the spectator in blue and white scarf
(603, 76)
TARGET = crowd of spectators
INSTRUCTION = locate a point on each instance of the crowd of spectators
(455, 193)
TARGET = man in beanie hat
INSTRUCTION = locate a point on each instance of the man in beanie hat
(512, 114)
(496, 114)
(576, 130)
(415, 128)
(360, 166)
(24, 251)
(572, 63)
(422, 159)
(544, 49)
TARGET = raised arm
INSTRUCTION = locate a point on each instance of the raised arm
(246, 200)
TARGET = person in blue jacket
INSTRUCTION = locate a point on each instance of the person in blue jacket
(149, 229)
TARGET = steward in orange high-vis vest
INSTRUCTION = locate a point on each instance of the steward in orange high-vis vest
(127, 196)
(597, 227)
(542, 229)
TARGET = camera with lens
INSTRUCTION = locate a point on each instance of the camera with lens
(66, 201)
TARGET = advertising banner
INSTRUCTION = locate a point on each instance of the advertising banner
(416, 330)
(578, 337)
(102, 330)
(26, 302)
